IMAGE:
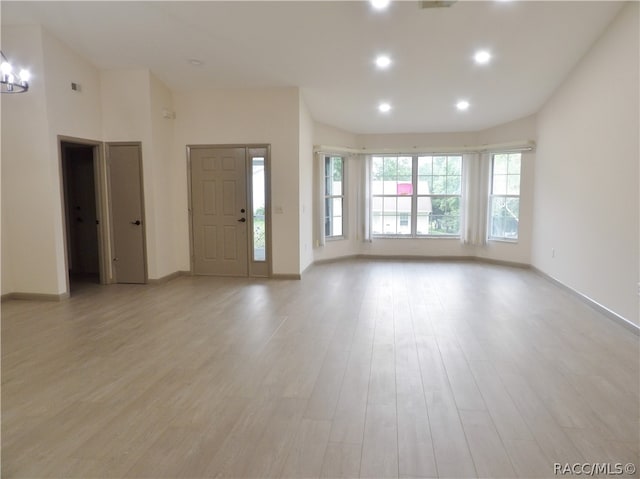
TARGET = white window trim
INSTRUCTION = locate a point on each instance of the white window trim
(322, 237)
(414, 199)
(490, 196)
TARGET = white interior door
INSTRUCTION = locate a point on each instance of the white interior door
(127, 213)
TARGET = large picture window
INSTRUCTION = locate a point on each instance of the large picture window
(333, 196)
(504, 200)
(415, 196)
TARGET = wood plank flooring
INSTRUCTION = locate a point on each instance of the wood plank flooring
(362, 369)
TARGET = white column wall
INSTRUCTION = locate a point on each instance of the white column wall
(305, 182)
(29, 262)
(162, 131)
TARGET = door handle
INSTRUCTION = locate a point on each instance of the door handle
(136, 222)
(242, 220)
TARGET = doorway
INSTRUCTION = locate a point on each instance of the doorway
(80, 162)
(229, 210)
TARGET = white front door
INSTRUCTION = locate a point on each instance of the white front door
(219, 211)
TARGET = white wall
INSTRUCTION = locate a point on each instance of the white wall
(420, 140)
(331, 136)
(164, 258)
(29, 262)
(517, 130)
(586, 185)
(305, 182)
(125, 105)
(268, 116)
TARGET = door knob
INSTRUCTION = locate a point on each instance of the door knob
(242, 220)
(136, 222)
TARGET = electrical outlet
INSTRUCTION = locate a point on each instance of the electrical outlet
(553, 252)
(638, 289)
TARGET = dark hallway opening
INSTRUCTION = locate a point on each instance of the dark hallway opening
(81, 214)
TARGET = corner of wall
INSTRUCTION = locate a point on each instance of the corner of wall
(305, 182)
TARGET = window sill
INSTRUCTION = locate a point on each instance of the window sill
(417, 237)
(503, 240)
(334, 238)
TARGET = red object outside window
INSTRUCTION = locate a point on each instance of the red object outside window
(405, 189)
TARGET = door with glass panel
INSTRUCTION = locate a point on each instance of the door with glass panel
(229, 210)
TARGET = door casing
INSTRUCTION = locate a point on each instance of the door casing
(102, 209)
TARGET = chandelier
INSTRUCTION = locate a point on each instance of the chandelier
(8, 79)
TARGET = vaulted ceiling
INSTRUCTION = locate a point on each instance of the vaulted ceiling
(328, 49)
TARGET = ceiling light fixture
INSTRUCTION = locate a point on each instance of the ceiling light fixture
(384, 107)
(383, 61)
(482, 57)
(11, 83)
(380, 4)
(462, 105)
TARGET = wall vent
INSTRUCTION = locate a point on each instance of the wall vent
(436, 3)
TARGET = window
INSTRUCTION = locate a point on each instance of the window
(333, 196)
(392, 189)
(416, 195)
(258, 202)
(439, 193)
(504, 200)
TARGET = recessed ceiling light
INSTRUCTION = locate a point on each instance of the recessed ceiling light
(384, 107)
(462, 105)
(383, 61)
(195, 62)
(380, 4)
(482, 57)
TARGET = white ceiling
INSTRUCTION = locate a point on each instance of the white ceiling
(327, 49)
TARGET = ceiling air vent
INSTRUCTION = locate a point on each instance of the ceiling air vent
(436, 3)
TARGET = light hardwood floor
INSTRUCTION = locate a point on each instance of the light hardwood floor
(362, 369)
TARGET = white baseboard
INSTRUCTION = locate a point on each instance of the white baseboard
(622, 321)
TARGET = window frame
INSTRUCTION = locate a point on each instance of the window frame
(491, 196)
(414, 197)
(343, 196)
